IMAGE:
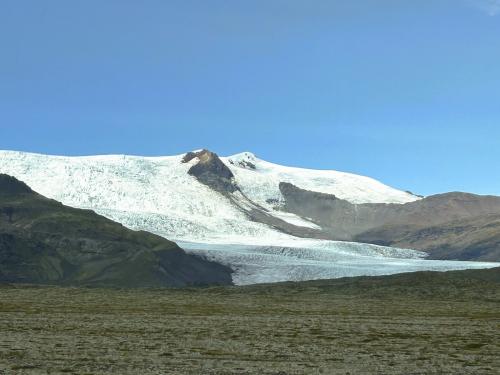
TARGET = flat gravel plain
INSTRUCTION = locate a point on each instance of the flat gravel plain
(416, 325)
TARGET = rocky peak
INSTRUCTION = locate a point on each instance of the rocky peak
(202, 155)
(211, 171)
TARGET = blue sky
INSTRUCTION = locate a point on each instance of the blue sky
(406, 92)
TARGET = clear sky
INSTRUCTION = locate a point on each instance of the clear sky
(407, 92)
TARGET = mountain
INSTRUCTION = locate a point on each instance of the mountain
(197, 196)
(43, 241)
(239, 210)
(447, 226)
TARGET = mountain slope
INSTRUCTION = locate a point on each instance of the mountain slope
(260, 180)
(230, 210)
(447, 226)
(179, 197)
(42, 241)
(476, 238)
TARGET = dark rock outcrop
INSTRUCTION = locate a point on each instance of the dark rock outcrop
(337, 217)
(211, 171)
(43, 241)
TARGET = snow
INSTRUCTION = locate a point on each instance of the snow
(295, 220)
(262, 183)
(151, 193)
(158, 195)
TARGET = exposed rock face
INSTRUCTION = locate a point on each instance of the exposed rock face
(211, 171)
(338, 218)
(449, 226)
(260, 214)
(42, 241)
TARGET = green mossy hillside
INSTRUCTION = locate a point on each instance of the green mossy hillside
(43, 241)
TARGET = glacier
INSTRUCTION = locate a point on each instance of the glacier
(260, 180)
(158, 195)
(254, 264)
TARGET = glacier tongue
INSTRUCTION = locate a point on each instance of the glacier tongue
(158, 195)
(267, 264)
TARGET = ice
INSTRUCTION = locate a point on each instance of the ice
(259, 180)
(158, 195)
(269, 264)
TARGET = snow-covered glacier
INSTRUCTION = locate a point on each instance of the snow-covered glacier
(158, 194)
(260, 180)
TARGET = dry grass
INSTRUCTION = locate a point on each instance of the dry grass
(264, 330)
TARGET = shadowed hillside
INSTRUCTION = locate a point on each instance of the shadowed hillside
(43, 241)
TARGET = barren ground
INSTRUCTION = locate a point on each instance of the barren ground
(308, 328)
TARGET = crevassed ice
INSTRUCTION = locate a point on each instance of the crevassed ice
(266, 264)
(157, 194)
